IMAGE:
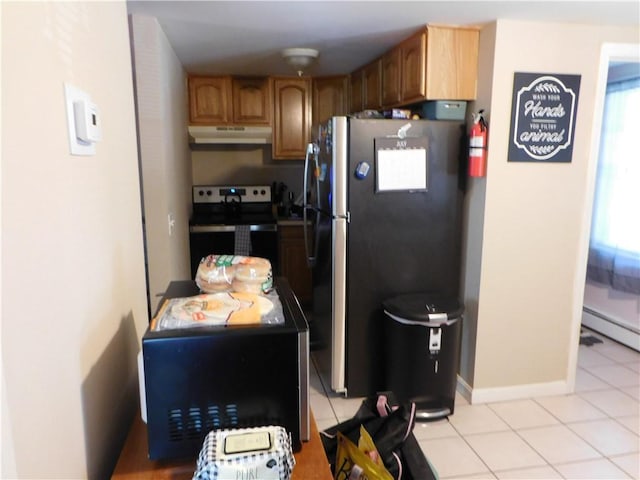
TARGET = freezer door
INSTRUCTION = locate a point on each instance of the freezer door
(330, 168)
(338, 305)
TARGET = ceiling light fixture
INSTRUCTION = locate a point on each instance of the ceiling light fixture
(299, 58)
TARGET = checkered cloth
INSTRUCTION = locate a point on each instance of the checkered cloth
(275, 463)
(242, 240)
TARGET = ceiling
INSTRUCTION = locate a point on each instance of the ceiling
(246, 37)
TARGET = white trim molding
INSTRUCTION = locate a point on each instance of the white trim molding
(516, 392)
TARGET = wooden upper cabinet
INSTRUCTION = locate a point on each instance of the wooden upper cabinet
(413, 52)
(251, 100)
(221, 100)
(356, 91)
(436, 63)
(391, 77)
(292, 117)
(452, 63)
(209, 100)
(329, 98)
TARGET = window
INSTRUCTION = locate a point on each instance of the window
(614, 250)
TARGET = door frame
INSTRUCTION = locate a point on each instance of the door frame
(610, 52)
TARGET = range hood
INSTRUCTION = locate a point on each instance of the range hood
(230, 134)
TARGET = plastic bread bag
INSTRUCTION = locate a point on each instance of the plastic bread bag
(219, 309)
(354, 464)
(237, 273)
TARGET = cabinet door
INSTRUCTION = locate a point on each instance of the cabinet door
(251, 100)
(293, 262)
(329, 98)
(413, 61)
(209, 100)
(371, 86)
(356, 91)
(391, 76)
(292, 117)
(452, 63)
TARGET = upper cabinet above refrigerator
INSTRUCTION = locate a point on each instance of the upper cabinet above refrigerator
(435, 63)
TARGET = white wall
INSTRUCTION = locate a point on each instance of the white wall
(535, 229)
(73, 286)
(164, 154)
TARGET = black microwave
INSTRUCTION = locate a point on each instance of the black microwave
(194, 380)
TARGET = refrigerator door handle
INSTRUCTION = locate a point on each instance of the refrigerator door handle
(305, 186)
(312, 151)
(311, 259)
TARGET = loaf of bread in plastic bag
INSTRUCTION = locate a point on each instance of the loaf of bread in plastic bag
(234, 273)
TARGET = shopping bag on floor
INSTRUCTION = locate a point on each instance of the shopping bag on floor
(390, 425)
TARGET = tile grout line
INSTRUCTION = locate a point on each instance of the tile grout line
(549, 464)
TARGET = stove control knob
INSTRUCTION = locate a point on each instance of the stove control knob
(255, 192)
(208, 193)
(263, 192)
(200, 192)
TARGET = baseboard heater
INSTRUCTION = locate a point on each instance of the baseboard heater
(619, 331)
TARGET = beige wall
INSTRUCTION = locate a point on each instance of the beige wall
(535, 228)
(73, 287)
(164, 154)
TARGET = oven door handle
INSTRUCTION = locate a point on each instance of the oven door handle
(231, 228)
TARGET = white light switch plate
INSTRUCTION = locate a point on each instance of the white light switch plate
(76, 146)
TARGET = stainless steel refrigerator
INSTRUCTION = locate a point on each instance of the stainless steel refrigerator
(382, 218)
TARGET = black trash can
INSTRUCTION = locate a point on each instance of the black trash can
(423, 351)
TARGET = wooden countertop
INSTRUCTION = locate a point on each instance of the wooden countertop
(311, 461)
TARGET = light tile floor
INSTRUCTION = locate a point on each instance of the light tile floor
(591, 434)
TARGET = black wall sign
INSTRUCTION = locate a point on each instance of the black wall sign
(543, 117)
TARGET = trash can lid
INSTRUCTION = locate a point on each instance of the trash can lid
(424, 307)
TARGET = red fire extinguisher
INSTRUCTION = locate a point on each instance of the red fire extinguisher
(478, 146)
